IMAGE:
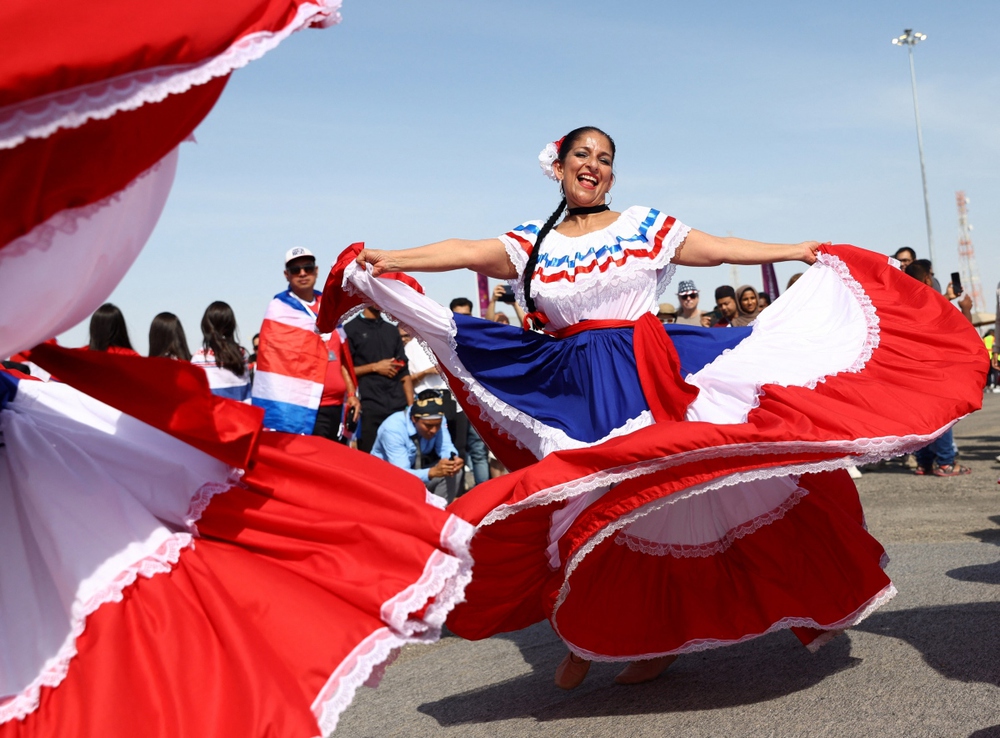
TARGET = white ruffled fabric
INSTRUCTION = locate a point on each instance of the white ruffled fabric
(128, 497)
(91, 499)
(82, 254)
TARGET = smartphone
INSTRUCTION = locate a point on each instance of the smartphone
(398, 363)
(956, 283)
(507, 296)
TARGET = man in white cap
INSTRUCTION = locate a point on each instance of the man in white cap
(302, 380)
(687, 296)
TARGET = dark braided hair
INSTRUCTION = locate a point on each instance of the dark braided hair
(218, 328)
(567, 143)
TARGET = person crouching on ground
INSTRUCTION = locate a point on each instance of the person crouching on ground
(418, 440)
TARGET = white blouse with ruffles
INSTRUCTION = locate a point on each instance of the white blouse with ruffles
(616, 273)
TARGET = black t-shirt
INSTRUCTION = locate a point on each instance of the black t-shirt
(371, 341)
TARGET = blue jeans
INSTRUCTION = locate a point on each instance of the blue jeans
(478, 458)
(942, 451)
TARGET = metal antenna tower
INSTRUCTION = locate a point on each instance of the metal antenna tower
(967, 255)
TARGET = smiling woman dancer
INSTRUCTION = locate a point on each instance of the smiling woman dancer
(670, 495)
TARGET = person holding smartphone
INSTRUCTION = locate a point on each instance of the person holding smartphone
(384, 382)
(503, 293)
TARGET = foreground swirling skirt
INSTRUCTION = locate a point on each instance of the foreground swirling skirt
(715, 507)
(246, 604)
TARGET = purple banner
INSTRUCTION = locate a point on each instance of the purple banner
(484, 293)
(770, 280)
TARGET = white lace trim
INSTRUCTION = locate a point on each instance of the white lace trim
(757, 474)
(55, 669)
(41, 117)
(67, 221)
(858, 452)
(435, 500)
(159, 561)
(705, 644)
(203, 497)
(702, 550)
(872, 336)
(444, 581)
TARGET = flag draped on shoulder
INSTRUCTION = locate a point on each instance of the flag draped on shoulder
(291, 365)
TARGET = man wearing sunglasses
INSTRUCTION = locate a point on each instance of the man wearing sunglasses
(687, 297)
(302, 380)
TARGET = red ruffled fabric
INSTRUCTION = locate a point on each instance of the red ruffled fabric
(814, 567)
(305, 577)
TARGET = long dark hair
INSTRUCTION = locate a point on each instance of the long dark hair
(218, 328)
(167, 339)
(107, 329)
(568, 142)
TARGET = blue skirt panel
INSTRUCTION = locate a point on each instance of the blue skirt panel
(698, 347)
(586, 385)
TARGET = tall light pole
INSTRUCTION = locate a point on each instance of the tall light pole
(909, 39)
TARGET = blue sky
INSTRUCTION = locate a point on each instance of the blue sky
(414, 122)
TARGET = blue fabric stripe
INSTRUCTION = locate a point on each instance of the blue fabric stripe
(283, 416)
(239, 393)
(287, 298)
(697, 347)
(586, 385)
(8, 388)
(569, 262)
(648, 223)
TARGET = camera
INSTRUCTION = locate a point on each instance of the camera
(507, 296)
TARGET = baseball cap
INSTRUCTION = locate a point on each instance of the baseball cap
(297, 253)
(428, 405)
(686, 286)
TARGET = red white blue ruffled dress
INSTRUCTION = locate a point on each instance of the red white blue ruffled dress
(685, 489)
(170, 570)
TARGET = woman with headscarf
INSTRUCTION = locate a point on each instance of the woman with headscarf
(747, 306)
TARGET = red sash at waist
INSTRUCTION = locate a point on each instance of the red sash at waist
(590, 325)
(656, 359)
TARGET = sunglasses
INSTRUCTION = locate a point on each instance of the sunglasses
(688, 296)
(296, 270)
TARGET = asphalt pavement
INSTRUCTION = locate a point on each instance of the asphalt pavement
(926, 664)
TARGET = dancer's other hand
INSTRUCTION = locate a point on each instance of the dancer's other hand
(810, 249)
(380, 261)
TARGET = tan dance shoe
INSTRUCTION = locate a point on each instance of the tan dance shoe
(571, 671)
(646, 670)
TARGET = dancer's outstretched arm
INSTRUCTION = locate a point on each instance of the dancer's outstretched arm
(702, 249)
(487, 256)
